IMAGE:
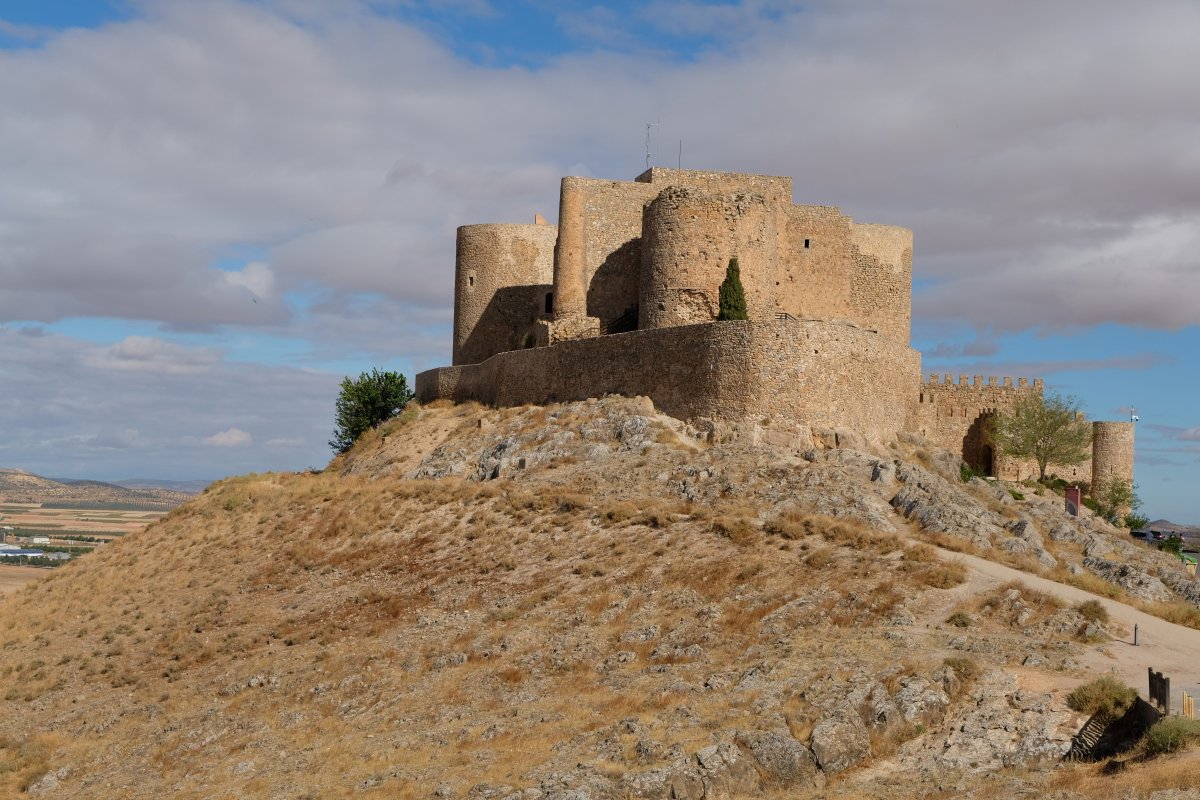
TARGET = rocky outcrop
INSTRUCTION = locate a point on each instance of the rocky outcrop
(1136, 582)
(840, 743)
(1001, 726)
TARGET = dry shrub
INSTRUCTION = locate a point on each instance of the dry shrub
(1105, 697)
(1093, 611)
(789, 523)
(1090, 583)
(966, 669)
(821, 557)
(844, 531)
(945, 575)
(737, 529)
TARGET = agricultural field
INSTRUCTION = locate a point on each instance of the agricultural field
(87, 525)
(13, 578)
(74, 531)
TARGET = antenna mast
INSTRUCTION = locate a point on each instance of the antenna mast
(649, 125)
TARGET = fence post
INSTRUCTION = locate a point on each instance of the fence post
(1135, 634)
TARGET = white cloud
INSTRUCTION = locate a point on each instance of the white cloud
(285, 441)
(256, 278)
(147, 354)
(231, 437)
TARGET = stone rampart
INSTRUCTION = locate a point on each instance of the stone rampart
(822, 373)
(775, 188)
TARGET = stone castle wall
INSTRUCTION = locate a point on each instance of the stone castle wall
(881, 278)
(954, 414)
(502, 276)
(822, 373)
(815, 247)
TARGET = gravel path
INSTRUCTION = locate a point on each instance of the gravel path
(1171, 649)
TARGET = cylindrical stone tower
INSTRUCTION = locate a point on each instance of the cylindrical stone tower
(490, 259)
(688, 237)
(570, 283)
(1112, 453)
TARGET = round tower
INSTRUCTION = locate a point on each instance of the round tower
(688, 237)
(1112, 453)
(501, 276)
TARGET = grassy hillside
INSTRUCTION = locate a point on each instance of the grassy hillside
(624, 608)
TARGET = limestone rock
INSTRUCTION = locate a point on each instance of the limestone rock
(840, 742)
(782, 760)
(1138, 583)
(725, 771)
(1002, 727)
(919, 699)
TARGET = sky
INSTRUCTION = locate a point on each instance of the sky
(211, 211)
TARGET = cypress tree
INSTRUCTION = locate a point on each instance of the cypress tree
(732, 298)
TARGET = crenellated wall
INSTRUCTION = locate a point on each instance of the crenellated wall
(954, 414)
(502, 276)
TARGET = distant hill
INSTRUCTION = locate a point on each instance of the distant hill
(19, 486)
(1166, 526)
(187, 487)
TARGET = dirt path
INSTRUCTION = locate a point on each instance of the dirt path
(1171, 649)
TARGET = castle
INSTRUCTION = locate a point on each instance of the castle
(621, 298)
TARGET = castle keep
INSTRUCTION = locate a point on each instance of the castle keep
(621, 298)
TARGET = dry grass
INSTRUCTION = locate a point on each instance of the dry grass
(360, 635)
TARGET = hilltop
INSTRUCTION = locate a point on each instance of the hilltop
(589, 600)
(19, 486)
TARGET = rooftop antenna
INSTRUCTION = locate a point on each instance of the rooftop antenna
(679, 163)
(649, 125)
(1133, 417)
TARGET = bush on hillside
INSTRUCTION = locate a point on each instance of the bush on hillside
(1105, 697)
(1093, 611)
(1172, 734)
(364, 403)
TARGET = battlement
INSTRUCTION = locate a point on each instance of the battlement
(946, 380)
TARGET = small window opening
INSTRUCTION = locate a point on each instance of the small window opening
(470, 280)
(807, 244)
(549, 302)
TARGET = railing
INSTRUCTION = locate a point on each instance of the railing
(784, 315)
(628, 321)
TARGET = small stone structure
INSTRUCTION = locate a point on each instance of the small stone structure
(621, 298)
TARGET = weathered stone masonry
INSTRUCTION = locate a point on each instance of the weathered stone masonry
(621, 298)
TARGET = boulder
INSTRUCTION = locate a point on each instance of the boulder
(840, 742)
(781, 760)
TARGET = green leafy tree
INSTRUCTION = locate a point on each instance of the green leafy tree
(1048, 430)
(732, 297)
(364, 403)
(1173, 545)
(1118, 501)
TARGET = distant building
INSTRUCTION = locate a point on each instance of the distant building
(20, 553)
